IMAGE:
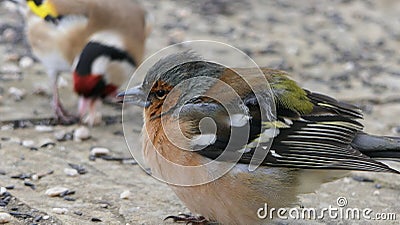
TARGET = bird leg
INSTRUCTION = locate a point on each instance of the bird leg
(87, 111)
(61, 114)
(189, 219)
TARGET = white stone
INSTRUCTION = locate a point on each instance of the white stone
(35, 177)
(125, 195)
(5, 218)
(56, 191)
(99, 151)
(46, 217)
(16, 93)
(60, 135)
(28, 143)
(376, 193)
(71, 172)
(44, 129)
(60, 210)
(3, 190)
(7, 127)
(26, 62)
(82, 133)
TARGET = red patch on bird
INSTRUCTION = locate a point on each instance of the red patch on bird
(86, 86)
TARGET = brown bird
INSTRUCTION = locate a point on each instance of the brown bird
(100, 41)
(311, 139)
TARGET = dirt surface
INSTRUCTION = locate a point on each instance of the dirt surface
(344, 48)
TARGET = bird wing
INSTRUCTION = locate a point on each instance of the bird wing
(316, 134)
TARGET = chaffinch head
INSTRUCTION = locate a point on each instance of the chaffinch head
(205, 124)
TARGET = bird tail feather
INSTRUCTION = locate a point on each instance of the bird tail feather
(382, 147)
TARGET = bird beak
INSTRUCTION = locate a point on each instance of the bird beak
(135, 96)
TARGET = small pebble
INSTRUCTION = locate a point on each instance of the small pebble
(44, 129)
(16, 93)
(3, 190)
(61, 135)
(362, 179)
(125, 195)
(376, 193)
(56, 191)
(81, 134)
(105, 206)
(47, 142)
(67, 193)
(60, 210)
(35, 177)
(46, 217)
(129, 161)
(29, 184)
(7, 127)
(378, 186)
(99, 151)
(96, 219)
(28, 143)
(78, 213)
(71, 172)
(41, 175)
(26, 62)
(70, 199)
(5, 218)
(38, 218)
(81, 169)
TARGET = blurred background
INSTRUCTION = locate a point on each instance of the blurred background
(344, 48)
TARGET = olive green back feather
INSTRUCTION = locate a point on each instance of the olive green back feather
(289, 95)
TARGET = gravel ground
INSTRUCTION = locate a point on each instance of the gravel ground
(344, 48)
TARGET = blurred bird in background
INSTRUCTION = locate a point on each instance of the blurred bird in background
(313, 138)
(99, 41)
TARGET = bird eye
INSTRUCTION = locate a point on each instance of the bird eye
(160, 94)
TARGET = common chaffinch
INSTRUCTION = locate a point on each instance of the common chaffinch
(101, 41)
(194, 137)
